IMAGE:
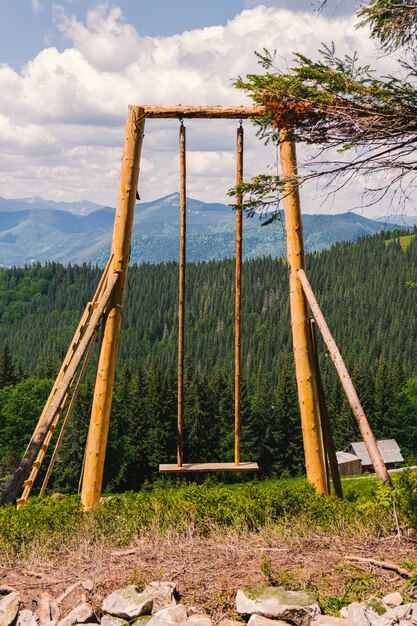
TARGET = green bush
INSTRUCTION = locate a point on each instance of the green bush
(181, 507)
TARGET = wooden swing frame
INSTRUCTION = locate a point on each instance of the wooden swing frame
(106, 308)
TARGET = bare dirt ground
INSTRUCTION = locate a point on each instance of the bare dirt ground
(208, 570)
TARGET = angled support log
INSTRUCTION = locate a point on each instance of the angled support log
(68, 416)
(122, 235)
(303, 354)
(44, 425)
(353, 399)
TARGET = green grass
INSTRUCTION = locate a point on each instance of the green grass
(404, 241)
(168, 506)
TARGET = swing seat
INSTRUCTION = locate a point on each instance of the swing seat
(174, 468)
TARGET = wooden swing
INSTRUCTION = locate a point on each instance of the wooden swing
(236, 466)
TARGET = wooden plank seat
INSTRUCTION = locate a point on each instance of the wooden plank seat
(247, 466)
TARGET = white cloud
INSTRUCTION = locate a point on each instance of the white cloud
(36, 6)
(67, 109)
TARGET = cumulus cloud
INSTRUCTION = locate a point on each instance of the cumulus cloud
(67, 108)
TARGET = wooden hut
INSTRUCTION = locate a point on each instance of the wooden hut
(390, 451)
(349, 464)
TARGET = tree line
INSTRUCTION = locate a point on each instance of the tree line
(363, 293)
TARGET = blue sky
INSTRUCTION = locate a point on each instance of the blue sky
(24, 32)
(68, 70)
(27, 26)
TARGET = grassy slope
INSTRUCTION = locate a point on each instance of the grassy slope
(404, 241)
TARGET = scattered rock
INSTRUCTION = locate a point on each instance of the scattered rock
(393, 599)
(376, 605)
(229, 622)
(72, 597)
(329, 620)
(162, 594)
(88, 585)
(111, 620)
(82, 614)
(199, 620)
(376, 620)
(355, 613)
(298, 607)
(9, 607)
(47, 608)
(399, 612)
(128, 603)
(258, 620)
(169, 617)
(26, 618)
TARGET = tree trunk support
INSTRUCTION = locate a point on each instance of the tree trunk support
(353, 399)
(303, 356)
(67, 417)
(328, 440)
(122, 234)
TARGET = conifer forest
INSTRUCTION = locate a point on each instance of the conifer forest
(363, 289)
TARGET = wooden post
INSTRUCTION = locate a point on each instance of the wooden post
(122, 234)
(181, 294)
(238, 290)
(353, 399)
(304, 367)
(328, 440)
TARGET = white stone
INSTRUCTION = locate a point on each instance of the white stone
(329, 620)
(298, 607)
(162, 594)
(258, 620)
(26, 618)
(169, 617)
(393, 599)
(9, 607)
(81, 614)
(399, 613)
(355, 613)
(229, 622)
(128, 603)
(199, 620)
(111, 620)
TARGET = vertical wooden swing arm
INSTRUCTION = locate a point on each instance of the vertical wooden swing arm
(181, 294)
(238, 290)
(122, 234)
(353, 399)
(304, 366)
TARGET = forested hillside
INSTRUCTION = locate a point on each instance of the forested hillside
(362, 288)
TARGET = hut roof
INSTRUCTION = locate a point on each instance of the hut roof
(346, 457)
(389, 448)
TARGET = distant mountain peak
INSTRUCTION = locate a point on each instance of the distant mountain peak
(172, 198)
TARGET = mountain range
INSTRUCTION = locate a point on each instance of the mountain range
(34, 229)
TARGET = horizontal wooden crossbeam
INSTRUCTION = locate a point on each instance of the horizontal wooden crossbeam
(209, 112)
(208, 467)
